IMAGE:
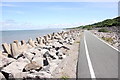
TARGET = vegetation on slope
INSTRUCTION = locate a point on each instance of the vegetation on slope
(103, 30)
(105, 23)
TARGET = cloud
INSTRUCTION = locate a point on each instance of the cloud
(67, 25)
(7, 5)
(14, 25)
(14, 11)
(61, 0)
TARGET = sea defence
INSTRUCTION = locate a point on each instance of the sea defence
(36, 58)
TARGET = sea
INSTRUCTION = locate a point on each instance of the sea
(10, 36)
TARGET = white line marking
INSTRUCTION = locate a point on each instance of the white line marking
(105, 42)
(88, 59)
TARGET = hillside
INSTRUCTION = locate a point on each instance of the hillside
(105, 23)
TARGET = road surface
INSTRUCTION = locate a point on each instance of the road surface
(96, 59)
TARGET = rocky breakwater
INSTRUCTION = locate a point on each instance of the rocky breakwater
(110, 37)
(36, 58)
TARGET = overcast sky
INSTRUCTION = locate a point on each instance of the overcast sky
(40, 15)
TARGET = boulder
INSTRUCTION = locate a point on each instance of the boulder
(37, 53)
(23, 42)
(53, 54)
(49, 36)
(46, 38)
(42, 42)
(2, 55)
(38, 60)
(23, 59)
(32, 66)
(6, 48)
(27, 46)
(28, 55)
(5, 61)
(8, 76)
(2, 76)
(5, 54)
(0, 52)
(24, 47)
(20, 75)
(38, 40)
(17, 43)
(14, 49)
(40, 75)
(15, 68)
(31, 42)
(60, 55)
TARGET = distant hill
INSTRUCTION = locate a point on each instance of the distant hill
(105, 23)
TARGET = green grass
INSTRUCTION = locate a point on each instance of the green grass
(64, 77)
(77, 42)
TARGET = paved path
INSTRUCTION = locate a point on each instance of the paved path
(96, 59)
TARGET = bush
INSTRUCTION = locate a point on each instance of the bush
(89, 28)
(64, 77)
(109, 39)
(103, 30)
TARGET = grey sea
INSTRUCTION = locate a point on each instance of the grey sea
(10, 36)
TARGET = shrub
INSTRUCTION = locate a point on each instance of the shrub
(64, 77)
(103, 30)
(77, 41)
(109, 39)
(89, 28)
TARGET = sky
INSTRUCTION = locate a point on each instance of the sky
(42, 15)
